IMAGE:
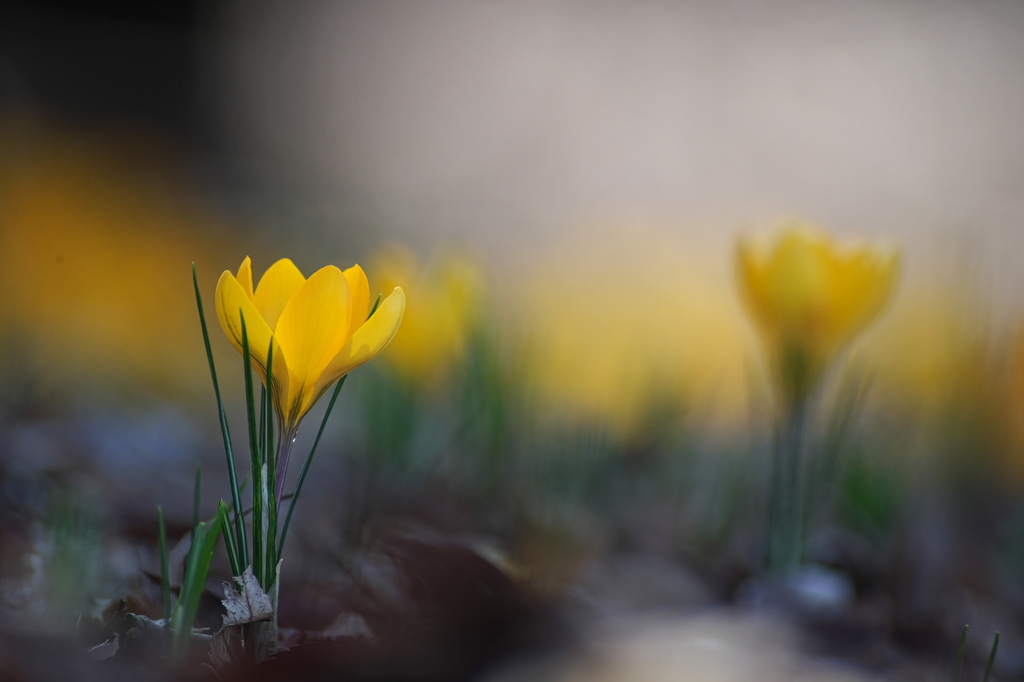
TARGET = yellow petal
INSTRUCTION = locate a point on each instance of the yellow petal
(801, 273)
(276, 287)
(811, 298)
(754, 286)
(369, 340)
(244, 276)
(863, 284)
(359, 288)
(312, 329)
(231, 300)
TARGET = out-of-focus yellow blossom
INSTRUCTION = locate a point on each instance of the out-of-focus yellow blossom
(96, 234)
(625, 313)
(318, 327)
(810, 298)
(446, 304)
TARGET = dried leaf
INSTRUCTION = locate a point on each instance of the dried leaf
(225, 647)
(252, 605)
(102, 652)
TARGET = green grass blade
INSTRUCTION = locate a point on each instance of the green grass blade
(958, 664)
(229, 542)
(268, 502)
(165, 573)
(225, 431)
(270, 548)
(254, 458)
(195, 494)
(263, 423)
(991, 659)
(204, 541)
(250, 398)
(305, 464)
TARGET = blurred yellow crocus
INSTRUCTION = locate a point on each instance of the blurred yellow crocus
(810, 298)
(318, 328)
(446, 295)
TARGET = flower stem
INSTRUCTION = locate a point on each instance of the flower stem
(284, 451)
(787, 503)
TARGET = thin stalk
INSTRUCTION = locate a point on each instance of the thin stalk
(255, 458)
(195, 494)
(991, 659)
(224, 430)
(271, 533)
(284, 453)
(263, 571)
(787, 514)
(165, 574)
(306, 463)
(270, 458)
(958, 664)
(263, 420)
(229, 541)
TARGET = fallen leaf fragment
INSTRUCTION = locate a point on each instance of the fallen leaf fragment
(102, 652)
(225, 647)
(252, 605)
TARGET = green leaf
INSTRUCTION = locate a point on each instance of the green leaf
(263, 422)
(258, 520)
(991, 659)
(165, 574)
(268, 504)
(270, 483)
(958, 664)
(195, 494)
(240, 538)
(204, 540)
(229, 541)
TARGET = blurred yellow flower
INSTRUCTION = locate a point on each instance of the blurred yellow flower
(81, 214)
(318, 327)
(446, 297)
(599, 352)
(809, 298)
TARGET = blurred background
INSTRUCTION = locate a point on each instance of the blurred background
(576, 395)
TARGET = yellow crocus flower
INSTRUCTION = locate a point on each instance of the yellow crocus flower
(810, 298)
(318, 326)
